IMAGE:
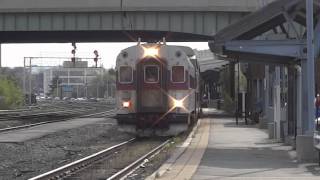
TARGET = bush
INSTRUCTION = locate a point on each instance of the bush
(10, 94)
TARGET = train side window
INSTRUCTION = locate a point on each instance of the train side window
(151, 74)
(177, 74)
(126, 74)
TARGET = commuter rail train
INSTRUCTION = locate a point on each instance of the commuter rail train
(157, 89)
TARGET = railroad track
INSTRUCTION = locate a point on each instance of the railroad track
(100, 114)
(72, 169)
(30, 115)
(128, 170)
(49, 111)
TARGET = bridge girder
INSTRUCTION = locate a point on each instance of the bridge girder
(113, 26)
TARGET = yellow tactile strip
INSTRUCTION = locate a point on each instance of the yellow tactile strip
(188, 161)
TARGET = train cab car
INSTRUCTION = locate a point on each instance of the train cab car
(157, 89)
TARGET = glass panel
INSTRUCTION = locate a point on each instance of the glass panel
(178, 74)
(151, 74)
(125, 74)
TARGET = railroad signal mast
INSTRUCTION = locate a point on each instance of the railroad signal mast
(95, 52)
(73, 52)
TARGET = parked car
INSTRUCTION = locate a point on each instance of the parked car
(66, 98)
(93, 100)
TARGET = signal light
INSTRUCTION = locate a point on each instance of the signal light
(73, 52)
(126, 104)
(95, 52)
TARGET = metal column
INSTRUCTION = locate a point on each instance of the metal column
(310, 115)
(299, 101)
(266, 92)
(258, 89)
(277, 104)
(0, 57)
(317, 39)
(305, 142)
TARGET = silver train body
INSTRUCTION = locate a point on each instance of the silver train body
(157, 89)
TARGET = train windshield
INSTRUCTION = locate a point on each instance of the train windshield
(151, 74)
(125, 74)
(177, 75)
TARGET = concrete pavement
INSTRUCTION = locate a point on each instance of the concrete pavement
(223, 150)
(245, 152)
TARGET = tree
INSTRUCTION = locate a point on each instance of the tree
(104, 83)
(10, 93)
(53, 86)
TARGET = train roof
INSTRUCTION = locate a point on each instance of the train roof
(189, 52)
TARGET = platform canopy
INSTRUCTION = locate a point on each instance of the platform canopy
(283, 20)
(209, 62)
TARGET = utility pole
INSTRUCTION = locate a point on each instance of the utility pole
(108, 86)
(24, 77)
(77, 91)
(97, 87)
(30, 78)
(58, 87)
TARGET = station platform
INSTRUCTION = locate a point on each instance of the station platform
(220, 149)
(26, 134)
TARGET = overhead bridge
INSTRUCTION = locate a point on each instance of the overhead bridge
(117, 20)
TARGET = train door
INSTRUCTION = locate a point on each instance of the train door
(152, 86)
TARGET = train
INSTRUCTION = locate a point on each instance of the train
(157, 89)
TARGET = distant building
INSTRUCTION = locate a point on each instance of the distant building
(74, 78)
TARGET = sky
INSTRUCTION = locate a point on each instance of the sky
(13, 54)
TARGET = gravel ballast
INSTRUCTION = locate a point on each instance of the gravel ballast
(31, 158)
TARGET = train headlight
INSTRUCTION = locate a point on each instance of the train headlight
(151, 52)
(178, 103)
(126, 104)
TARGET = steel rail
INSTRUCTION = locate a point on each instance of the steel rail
(40, 114)
(109, 112)
(133, 166)
(68, 169)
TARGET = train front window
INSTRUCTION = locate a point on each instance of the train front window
(151, 74)
(125, 74)
(177, 74)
